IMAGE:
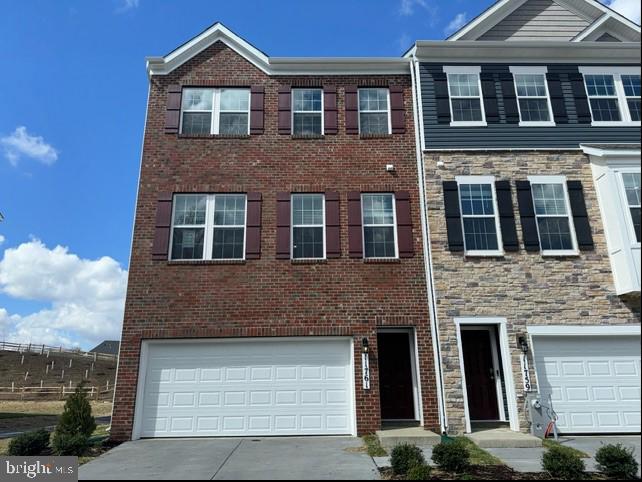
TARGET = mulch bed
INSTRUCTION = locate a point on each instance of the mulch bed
(485, 472)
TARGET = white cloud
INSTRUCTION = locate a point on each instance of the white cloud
(127, 5)
(456, 23)
(629, 8)
(21, 144)
(407, 7)
(2, 239)
(86, 297)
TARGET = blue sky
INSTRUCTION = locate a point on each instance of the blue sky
(72, 106)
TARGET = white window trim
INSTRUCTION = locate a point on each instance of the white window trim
(394, 226)
(209, 226)
(471, 70)
(625, 202)
(308, 111)
(569, 214)
(500, 243)
(387, 111)
(292, 226)
(216, 108)
(617, 73)
(540, 70)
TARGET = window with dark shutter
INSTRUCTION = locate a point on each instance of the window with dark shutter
(580, 215)
(581, 100)
(332, 225)
(557, 98)
(352, 109)
(253, 226)
(285, 110)
(283, 225)
(489, 92)
(453, 216)
(527, 216)
(173, 111)
(160, 247)
(330, 113)
(405, 240)
(506, 215)
(257, 102)
(397, 111)
(355, 233)
(510, 98)
(442, 98)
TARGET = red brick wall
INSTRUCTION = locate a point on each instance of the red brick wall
(270, 297)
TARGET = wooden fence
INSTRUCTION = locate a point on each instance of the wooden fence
(46, 349)
(59, 393)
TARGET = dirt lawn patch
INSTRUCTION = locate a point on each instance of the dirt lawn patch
(22, 416)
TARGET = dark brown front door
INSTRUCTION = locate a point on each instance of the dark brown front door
(480, 375)
(395, 376)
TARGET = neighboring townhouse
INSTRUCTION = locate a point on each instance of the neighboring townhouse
(531, 172)
(277, 281)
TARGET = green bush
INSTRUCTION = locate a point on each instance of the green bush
(76, 417)
(29, 443)
(617, 461)
(404, 457)
(68, 444)
(419, 472)
(562, 463)
(451, 456)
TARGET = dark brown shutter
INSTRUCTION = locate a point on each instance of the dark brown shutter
(352, 109)
(510, 98)
(506, 216)
(330, 113)
(257, 102)
(580, 216)
(527, 216)
(489, 93)
(582, 108)
(355, 232)
(285, 110)
(442, 98)
(253, 226)
(160, 248)
(283, 225)
(332, 225)
(173, 112)
(405, 240)
(557, 98)
(397, 110)
(453, 216)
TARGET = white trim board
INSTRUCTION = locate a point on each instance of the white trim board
(577, 330)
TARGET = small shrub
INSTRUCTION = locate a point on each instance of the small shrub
(451, 456)
(419, 472)
(562, 463)
(404, 457)
(29, 443)
(76, 417)
(68, 444)
(617, 461)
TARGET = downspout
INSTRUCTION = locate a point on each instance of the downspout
(425, 229)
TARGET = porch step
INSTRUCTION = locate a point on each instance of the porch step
(410, 435)
(503, 438)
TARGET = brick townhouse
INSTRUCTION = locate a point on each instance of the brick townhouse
(277, 281)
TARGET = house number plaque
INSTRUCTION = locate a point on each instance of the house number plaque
(365, 367)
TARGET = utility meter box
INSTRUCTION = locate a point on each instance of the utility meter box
(538, 415)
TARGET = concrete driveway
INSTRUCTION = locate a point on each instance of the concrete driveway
(322, 458)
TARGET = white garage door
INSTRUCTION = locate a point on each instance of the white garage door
(594, 381)
(235, 388)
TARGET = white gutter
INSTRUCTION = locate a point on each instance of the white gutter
(425, 231)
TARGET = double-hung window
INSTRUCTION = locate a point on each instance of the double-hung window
(379, 226)
(553, 214)
(208, 226)
(308, 227)
(215, 111)
(533, 99)
(466, 100)
(614, 95)
(631, 184)
(374, 112)
(479, 215)
(307, 112)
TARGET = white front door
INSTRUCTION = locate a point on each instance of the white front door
(287, 386)
(594, 381)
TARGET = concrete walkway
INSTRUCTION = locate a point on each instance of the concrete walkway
(320, 458)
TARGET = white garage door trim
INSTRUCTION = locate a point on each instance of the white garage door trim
(587, 333)
(144, 357)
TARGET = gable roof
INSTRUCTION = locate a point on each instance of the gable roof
(273, 65)
(586, 12)
(107, 347)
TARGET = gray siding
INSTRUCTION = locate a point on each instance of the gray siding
(538, 20)
(607, 37)
(502, 135)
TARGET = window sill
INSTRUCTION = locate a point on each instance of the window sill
(307, 137)
(560, 254)
(484, 254)
(615, 124)
(309, 261)
(375, 136)
(381, 260)
(468, 124)
(537, 124)
(214, 136)
(178, 262)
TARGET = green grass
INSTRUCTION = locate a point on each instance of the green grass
(548, 443)
(373, 446)
(478, 456)
(8, 416)
(4, 445)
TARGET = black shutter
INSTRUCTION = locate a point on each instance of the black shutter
(506, 216)
(557, 98)
(453, 216)
(527, 216)
(489, 92)
(442, 97)
(510, 98)
(581, 100)
(580, 216)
